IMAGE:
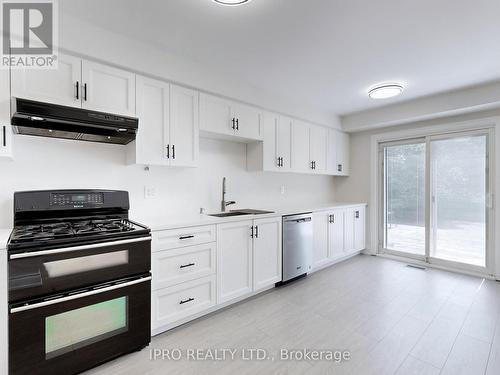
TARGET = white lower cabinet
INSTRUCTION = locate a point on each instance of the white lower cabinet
(234, 260)
(172, 304)
(266, 252)
(338, 234)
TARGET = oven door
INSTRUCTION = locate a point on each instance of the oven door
(41, 273)
(75, 332)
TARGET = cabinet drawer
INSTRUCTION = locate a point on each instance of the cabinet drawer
(181, 237)
(180, 301)
(188, 263)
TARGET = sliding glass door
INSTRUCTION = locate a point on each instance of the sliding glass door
(404, 197)
(435, 202)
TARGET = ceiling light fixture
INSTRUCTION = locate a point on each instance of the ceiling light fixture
(385, 91)
(231, 2)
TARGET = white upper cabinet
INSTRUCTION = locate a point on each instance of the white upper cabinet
(78, 83)
(300, 161)
(215, 115)
(342, 154)
(168, 125)
(184, 126)
(108, 89)
(266, 252)
(57, 86)
(318, 138)
(247, 120)
(234, 260)
(284, 142)
(223, 117)
(153, 111)
(5, 128)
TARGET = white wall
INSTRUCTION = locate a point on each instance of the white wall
(44, 163)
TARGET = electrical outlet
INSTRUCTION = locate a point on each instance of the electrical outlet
(149, 192)
(282, 190)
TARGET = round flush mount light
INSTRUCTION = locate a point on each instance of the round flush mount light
(231, 2)
(385, 91)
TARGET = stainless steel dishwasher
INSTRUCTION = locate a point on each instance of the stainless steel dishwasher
(297, 245)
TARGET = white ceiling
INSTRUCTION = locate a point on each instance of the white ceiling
(324, 52)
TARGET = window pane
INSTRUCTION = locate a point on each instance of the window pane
(77, 328)
(405, 198)
(458, 222)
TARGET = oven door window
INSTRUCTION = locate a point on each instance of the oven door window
(77, 328)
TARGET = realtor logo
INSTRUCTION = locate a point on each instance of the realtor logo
(29, 35)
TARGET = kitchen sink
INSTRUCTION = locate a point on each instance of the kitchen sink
(241, 213)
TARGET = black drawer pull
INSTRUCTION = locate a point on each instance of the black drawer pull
(186, 301)
(4, 136)
(356, 214)
(186, 237)
(186, 265)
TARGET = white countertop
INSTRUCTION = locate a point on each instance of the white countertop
(4, 237)
(189, 220)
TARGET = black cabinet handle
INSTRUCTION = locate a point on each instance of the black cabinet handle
(186, 237)
(281, 161)
(252, 232)
(173, 151)
(186, 301)
(234, 122)
(237, 124)
(256, 231)
(77, 90)
(85, 92)
(356, 214)
(339, 168)
(186, 265)
(168, 151)
(4, 136)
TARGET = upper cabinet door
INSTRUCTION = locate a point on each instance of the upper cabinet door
(266, 252)
(318, 148)
(108, 89)
(300, 147)
(248, 122)
(153, 99)
(284, 142)
(342, 154)
(184, 126)
(270, 124)
(331, 159)
(215, 115)
(57, 86)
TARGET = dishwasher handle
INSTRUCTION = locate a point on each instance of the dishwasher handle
(303, 220)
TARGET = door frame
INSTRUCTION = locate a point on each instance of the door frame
(440, 129)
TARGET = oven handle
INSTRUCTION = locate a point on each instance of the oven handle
(79, 295)
(76, 248)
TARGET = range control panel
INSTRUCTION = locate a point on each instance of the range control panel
(77, 200)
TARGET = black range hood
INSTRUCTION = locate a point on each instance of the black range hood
(57, 121)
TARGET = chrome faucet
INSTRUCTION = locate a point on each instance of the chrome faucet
(224, 204)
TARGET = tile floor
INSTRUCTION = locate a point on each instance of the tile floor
(391, 318)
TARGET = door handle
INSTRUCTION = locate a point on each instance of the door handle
(173, 151)
(186, 265)
(4, 136)
(234, 124)
(356, 214)
(339, 167)
(77, 90)
(186, 301)
(168, 151)
(256, 231)
(237, 124)
(85, 92)
(186, 237)
(252, 232)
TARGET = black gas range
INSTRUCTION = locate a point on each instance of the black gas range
(79, 281)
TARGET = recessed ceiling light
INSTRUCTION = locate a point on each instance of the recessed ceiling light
(385, 91)
(231, 2)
